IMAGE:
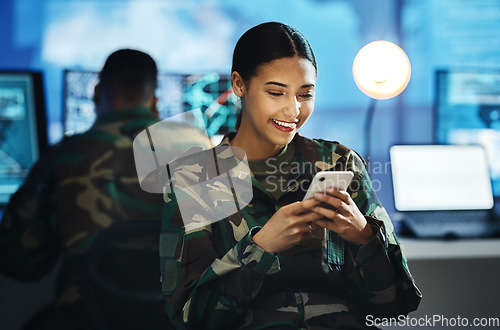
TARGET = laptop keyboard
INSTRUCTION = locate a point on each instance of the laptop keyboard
(439, 218)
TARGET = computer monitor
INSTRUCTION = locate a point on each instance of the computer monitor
(23, 130)
(467, 111)
(177, 93)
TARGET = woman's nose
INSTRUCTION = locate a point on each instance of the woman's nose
(293, 109)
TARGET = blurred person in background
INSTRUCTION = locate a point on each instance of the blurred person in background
(81, 186)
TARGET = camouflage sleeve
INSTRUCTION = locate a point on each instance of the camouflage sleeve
(28, 244)
(380, 279)
(202, 288)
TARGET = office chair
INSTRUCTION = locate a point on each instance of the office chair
(121, 283)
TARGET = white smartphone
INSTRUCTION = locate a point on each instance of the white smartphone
(326, 179)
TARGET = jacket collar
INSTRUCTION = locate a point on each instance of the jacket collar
(322, 157)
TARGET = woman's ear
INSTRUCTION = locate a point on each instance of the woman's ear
(238, 84)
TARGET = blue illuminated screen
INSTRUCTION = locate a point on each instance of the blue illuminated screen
(467, 111)
(23, 132)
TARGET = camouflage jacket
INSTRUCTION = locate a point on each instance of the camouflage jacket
(216, 277)
(79, 186)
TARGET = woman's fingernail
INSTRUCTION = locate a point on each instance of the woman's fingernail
(319, 195)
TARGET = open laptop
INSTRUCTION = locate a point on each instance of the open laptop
(444, 190)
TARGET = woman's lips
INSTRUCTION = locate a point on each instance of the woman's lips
(284, 126)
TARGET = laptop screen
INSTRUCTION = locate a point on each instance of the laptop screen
(440, 177)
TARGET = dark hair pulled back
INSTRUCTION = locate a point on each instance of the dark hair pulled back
(267, 42)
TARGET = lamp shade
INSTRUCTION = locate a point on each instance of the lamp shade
(381, 70)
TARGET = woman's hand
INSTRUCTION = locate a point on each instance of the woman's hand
(288, 226)
(345, 219)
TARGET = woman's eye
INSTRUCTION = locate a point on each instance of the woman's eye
(306, 96)
(275, 93)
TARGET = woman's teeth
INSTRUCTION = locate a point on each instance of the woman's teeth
(285, 124)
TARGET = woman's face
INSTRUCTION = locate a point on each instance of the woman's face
(277, 101)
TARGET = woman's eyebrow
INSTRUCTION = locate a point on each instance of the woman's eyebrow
(276, 83)
(286, 86)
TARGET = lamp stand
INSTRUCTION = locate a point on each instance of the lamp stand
(368, 128)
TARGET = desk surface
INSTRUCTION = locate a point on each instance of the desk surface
(427, 249)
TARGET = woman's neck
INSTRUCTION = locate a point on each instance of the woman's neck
(253, 149)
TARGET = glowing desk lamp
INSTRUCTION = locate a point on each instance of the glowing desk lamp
(382, 71)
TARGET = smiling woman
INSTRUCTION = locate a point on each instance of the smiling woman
(276, 103)
(281, 261)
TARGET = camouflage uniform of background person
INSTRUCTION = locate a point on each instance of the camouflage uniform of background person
(274, 263)
(80, 186)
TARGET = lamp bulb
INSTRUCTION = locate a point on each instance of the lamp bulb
(381, 70)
